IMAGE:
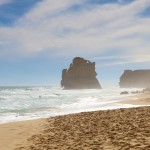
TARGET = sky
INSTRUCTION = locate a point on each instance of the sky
(39, 38)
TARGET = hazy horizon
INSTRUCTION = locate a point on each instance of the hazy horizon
(39, 38)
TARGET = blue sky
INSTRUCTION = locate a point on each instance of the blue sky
(38, 38)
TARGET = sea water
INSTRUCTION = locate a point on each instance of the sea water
(25, 103)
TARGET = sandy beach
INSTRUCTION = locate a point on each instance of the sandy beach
(141, 99)
(15, 133)
(120, 129)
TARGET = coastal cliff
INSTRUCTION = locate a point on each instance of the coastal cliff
(137, 79)
(80, 75)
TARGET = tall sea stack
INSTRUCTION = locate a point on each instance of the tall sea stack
(137, 79)
(80, 75)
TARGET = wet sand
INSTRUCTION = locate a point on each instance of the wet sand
(141, 99)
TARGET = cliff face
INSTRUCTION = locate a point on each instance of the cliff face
(137, 79)
(80, 75)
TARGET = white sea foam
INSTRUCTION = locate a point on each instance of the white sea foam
(24, 103)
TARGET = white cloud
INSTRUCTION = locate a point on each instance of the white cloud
(120, 1)
(96, 29)
(124, 59)
(2, 2)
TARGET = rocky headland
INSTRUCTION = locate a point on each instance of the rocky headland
(80, 75)
(135, 79)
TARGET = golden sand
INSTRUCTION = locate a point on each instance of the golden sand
(120, 129)
(15, 134)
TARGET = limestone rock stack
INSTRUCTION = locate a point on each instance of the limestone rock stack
(137, 79)
(80, 75)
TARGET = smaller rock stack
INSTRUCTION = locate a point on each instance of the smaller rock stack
(80, 75)
(137, 79)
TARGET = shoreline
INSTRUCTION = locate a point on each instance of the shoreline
(37, 133)
(85, 101)
(28, 118)
(141, 99)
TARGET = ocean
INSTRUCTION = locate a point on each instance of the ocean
(25, 103)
